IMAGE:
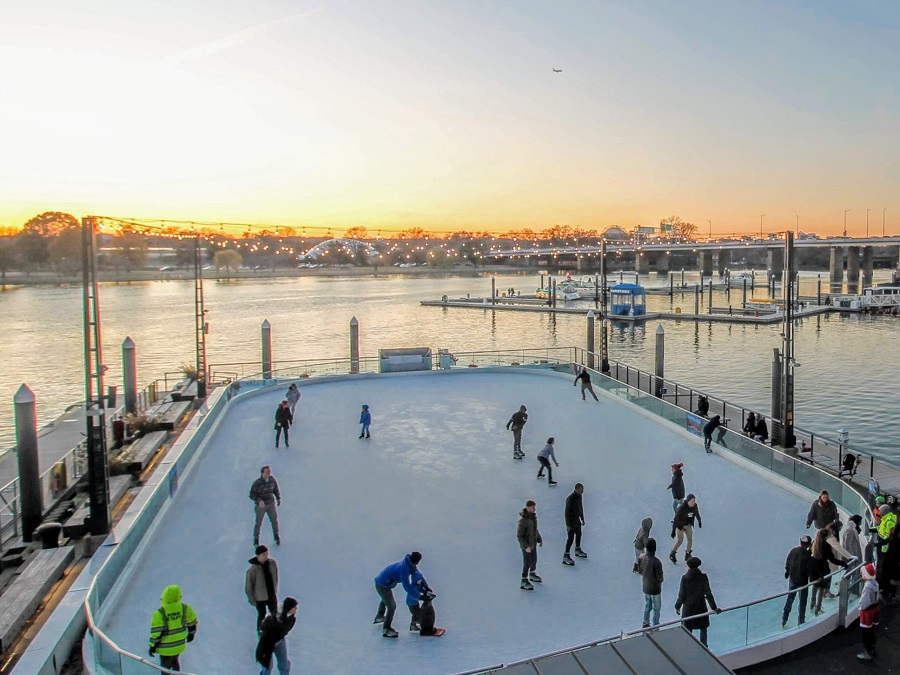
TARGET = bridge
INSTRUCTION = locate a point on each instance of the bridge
(656, 254)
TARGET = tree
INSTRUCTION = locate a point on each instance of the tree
(50, 223)
(413, 233)
(130, 251)
(229, 259)
(65, 250)
(358, 232)
(677, 228)
(7, 256)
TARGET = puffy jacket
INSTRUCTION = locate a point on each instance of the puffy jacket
(397, 573)
(651, 570)
(527, 532)
(283, 417)
(677, 485)
(712, 425)
(365, 417)
(797, 566)
(762, 429)
(693, 594)
(255, 583)
(821, 514)
(173, 625)
(643, 534)
(419, 586)
(887, 524)
(869, 610)
(574, 510)
(685, 515)
(265, 490)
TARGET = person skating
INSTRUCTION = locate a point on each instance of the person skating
(683, 525)
(266, 497)
(365, 420)
(714, 423)
(544, 457)
(172, 626)
(574, 514)
(640, 542)
(693, 595)
(283, 421)
(796, 571)
(273, 638)
(869, 613)
(517, 423)
(529, 538)
(822, 511)
(585, 378)
(822, 554)
(677, 485)
(651, 570)
(261, 584)
(293, 397)
(413, 597)
(396, 573)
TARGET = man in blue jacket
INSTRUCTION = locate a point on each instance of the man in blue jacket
(397, 573)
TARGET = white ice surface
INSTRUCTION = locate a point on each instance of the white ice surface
(438, 476)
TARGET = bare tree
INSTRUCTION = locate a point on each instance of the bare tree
(678, 228)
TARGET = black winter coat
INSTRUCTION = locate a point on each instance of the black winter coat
(518, 420)
(819, 566)
(712, 425)
(677, 485)
(693, 594)
(651, 570)
(821, 515)
(273, 631)
(797, 566)
(574, 510)
(685, 515)
(283, 417)
(762, 429)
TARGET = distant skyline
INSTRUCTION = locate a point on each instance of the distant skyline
(449, 115)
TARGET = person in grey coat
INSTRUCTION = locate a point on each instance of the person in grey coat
(640, 542)
(293, 397)
(651, 570)
(261, 584)
(266, 496)
(544, 457)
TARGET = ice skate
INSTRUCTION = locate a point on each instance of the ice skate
(687, 555)
(864, 656)
(540, 475)
(533, 576)
(379, 619)
(414, 627)
(567, 560)
(579, 553)
(526, 585)
(673, 558)
(390, 633)
(368, 435)
(361, 435)
(551, 482)
(278, 541)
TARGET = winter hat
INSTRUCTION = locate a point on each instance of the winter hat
(879, 500)
(693, 563)
(262, 548)
(677, 466)
(289, 604)
(856, 518)
(868, 571)
(365, 407)
(522, 408)
(415, 557)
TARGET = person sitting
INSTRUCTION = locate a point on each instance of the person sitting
(761, 431)
(750, 425)
(703, 406)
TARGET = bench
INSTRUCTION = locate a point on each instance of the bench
(186, 390)
(27, 592)
(168, 415)
(77, 526)
(139, 453)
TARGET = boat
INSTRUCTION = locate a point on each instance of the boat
(565, 290)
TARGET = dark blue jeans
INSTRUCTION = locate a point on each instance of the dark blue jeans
(789, 602)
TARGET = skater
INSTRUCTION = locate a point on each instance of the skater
(517, 423)
(694, 594)
(708, 430)
(426, 616)
(266, 497)
(750, 425)
(677, 485)
(273, 638)
(261, 584)
(172, 626)
(585, 378)
(293, 397)
(640, 542)
(413, 596)
(651, 571)
(683, 524)
(574, 522)
(397, 573)
(822, 512)
(529, 538)
(365, 419)
(822, 554)
(869, 613)
(544, 457)
(796, 571)
(283, 421)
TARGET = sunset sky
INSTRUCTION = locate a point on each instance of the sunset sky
(447, 115)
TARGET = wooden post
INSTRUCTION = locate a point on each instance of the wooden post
(129, 371)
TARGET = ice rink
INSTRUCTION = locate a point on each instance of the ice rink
(438, 476)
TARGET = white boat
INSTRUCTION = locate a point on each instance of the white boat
(566, 290)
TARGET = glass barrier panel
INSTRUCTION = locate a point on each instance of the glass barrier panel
(107, 657)
(135, 667)
(783, 465)
(764, 618)
(727, 630)
(809, 477)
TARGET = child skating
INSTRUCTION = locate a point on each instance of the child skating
(365, 419)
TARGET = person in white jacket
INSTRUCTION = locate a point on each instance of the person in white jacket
(850, 539)
(840, 551)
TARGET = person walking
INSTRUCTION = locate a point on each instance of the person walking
(172, 626)
(677, 485)
(529, 538)
(574, 515)
(651, 571)
(796, 571)
(293, 397)
(283, 421)
(822, 554)
(544, 457)
(822, 511)
(640, 542)
(261, 584)
(517, 423)
(365, 420)
(396, 573)
(585, 378)
(683, 526)
(869, 613)
(273, 638)
(266, 497)
(693, 595)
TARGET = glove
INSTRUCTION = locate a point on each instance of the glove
(672, 533)
(190, 637)
(699, 524)
(787, 576)
(807, 525)
(678, 612)
(152, 652)
(279, 502)
(718, 611)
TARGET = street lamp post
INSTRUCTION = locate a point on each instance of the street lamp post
(883, 214)
(846, 211)
(761, 225)
(710, 228)
(867, 223)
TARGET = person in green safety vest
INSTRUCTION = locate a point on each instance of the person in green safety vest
(886, 526)
(172, 626)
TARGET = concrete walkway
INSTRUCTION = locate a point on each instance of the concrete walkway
(836, 653)
(54, 441)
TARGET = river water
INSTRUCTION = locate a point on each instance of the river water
(845, 379)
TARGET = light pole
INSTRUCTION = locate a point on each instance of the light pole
(761, 225)
(867, 223)
(846, 211)
(710, 228)
(883, 213)
(798, 223)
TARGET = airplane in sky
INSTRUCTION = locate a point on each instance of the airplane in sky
(555, 70)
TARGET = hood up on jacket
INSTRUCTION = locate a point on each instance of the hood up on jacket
(171, 595)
